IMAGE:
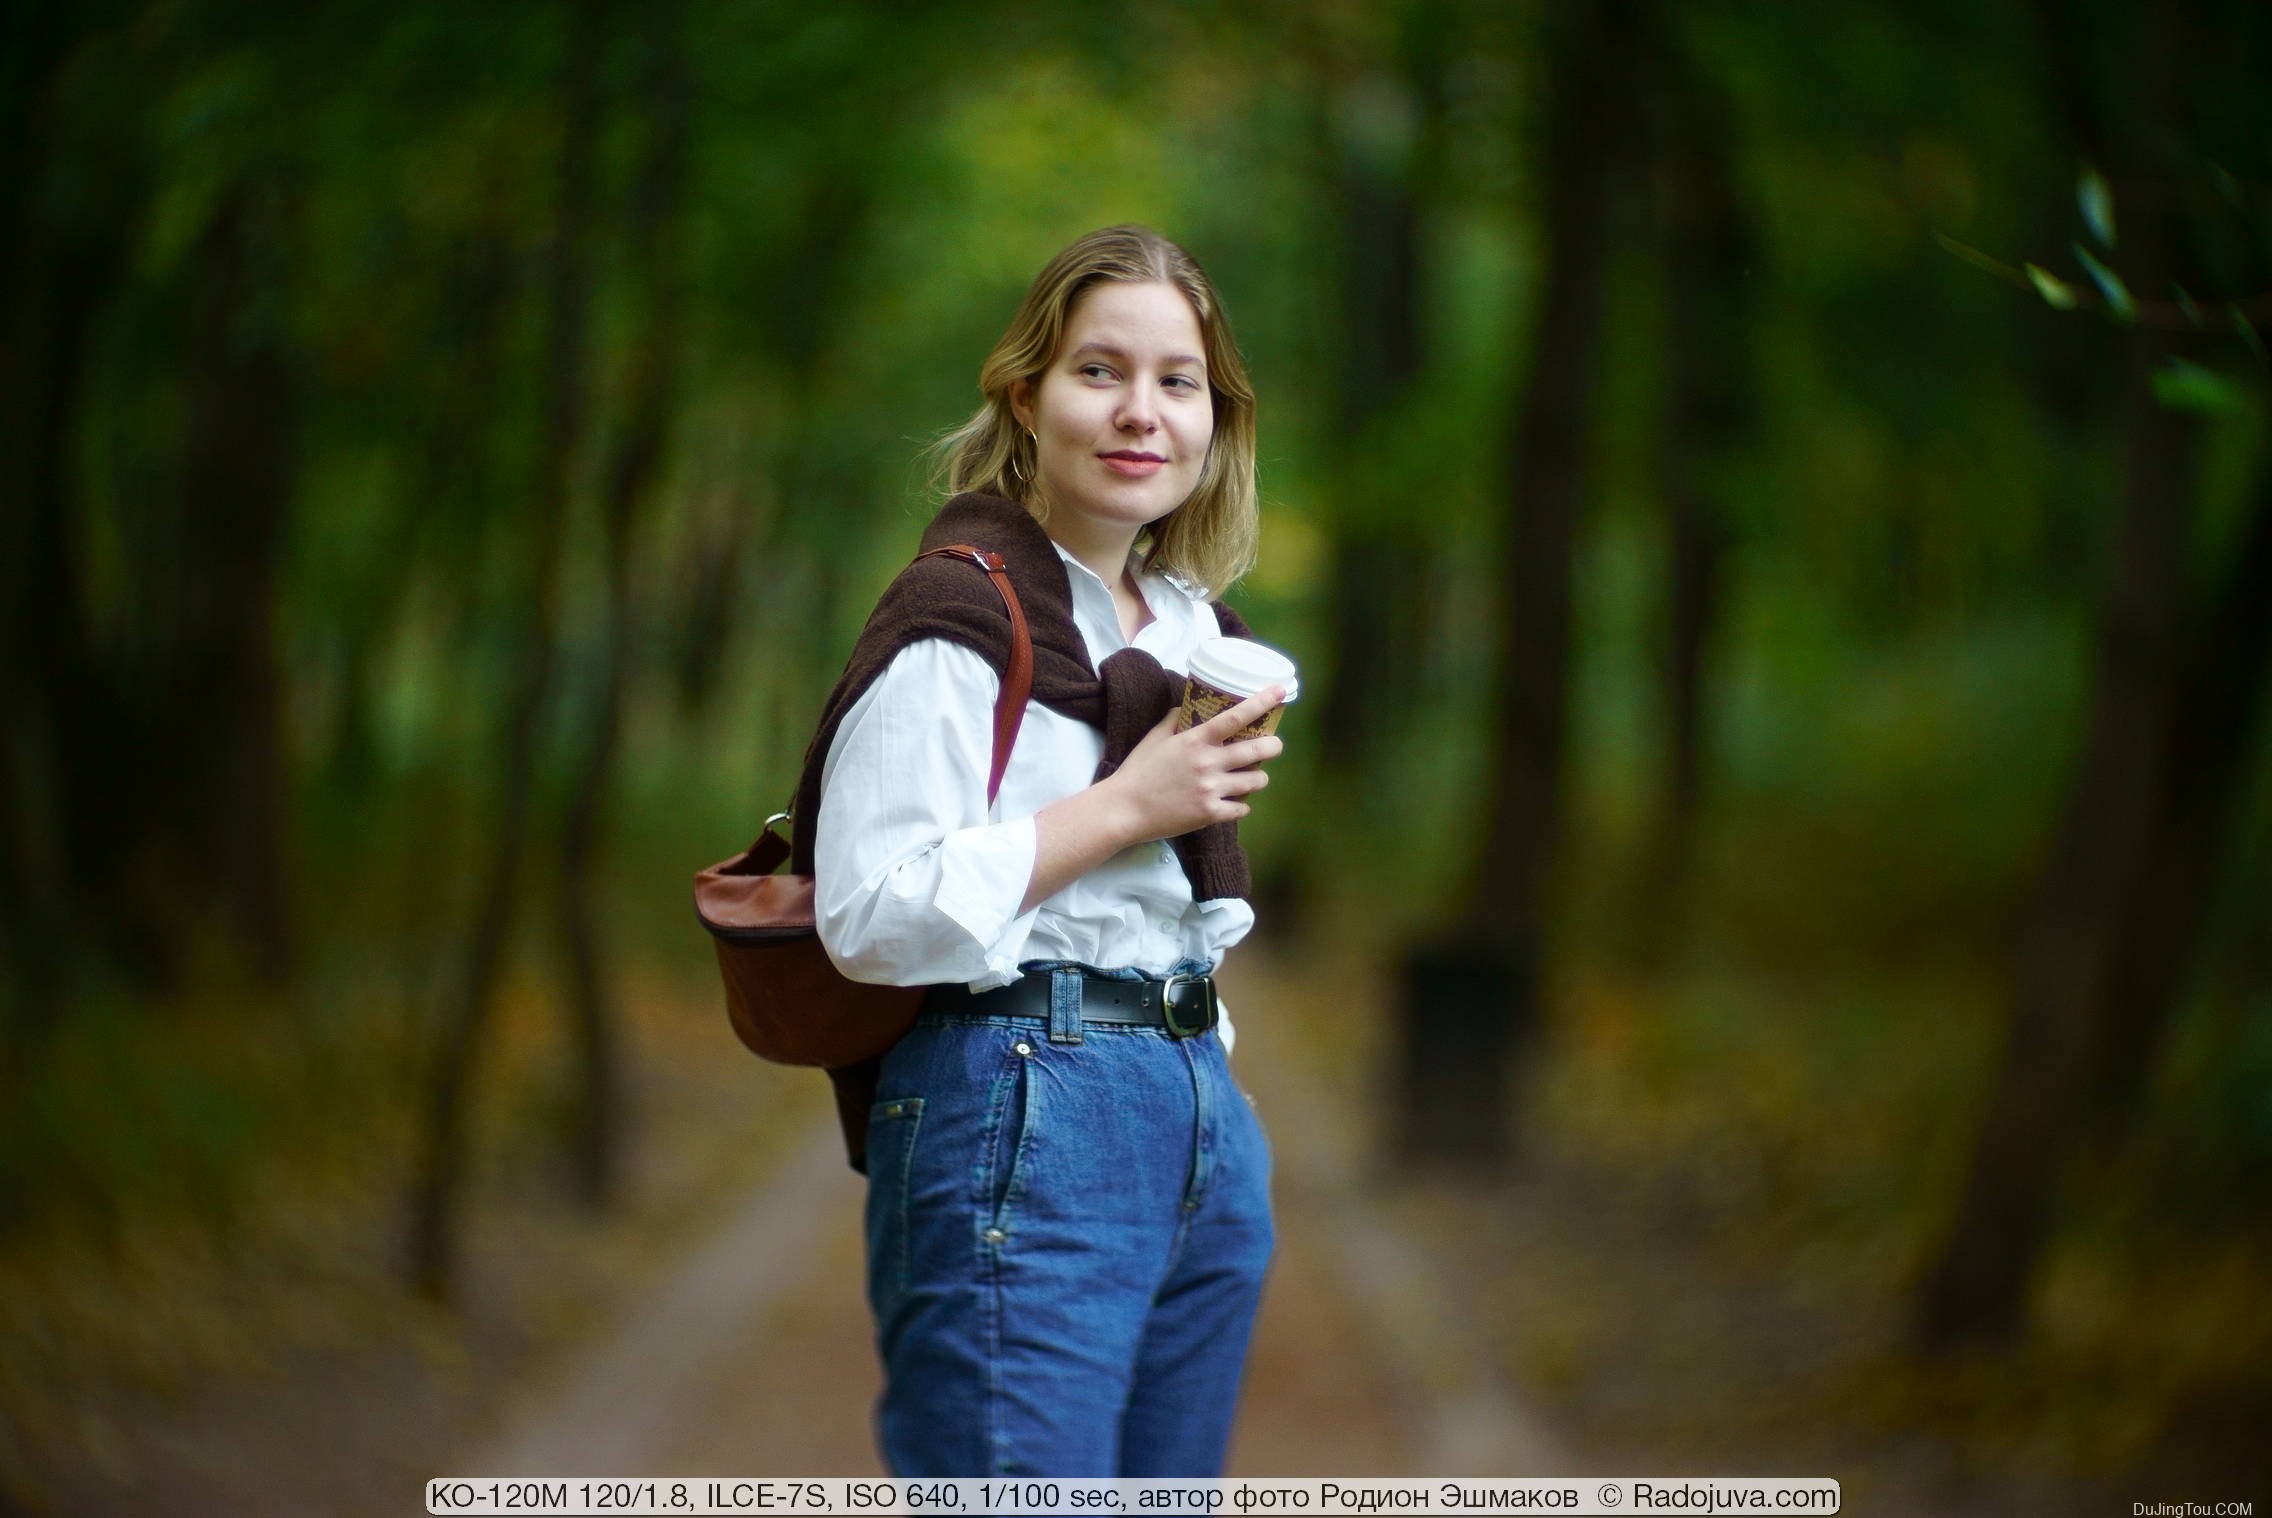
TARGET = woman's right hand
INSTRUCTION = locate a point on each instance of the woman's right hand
(1174, 782)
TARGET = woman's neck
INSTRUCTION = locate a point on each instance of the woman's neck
(1105, 553)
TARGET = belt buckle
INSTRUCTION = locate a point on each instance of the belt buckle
(1167, 1006)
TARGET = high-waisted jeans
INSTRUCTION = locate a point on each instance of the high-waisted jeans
(1066, 1249)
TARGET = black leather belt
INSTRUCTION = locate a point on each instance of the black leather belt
(1184, 1005)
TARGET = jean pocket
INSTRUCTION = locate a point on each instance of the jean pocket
(892, 1127)
(1015, 1111)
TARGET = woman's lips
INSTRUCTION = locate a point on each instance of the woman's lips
(1134, 468)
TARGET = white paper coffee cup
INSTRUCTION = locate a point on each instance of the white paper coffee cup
(1225, 671)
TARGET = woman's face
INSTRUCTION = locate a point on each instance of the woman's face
(1123, 415)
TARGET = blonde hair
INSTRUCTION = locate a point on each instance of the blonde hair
(1209, 540)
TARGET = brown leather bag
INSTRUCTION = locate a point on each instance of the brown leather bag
(787, 1000)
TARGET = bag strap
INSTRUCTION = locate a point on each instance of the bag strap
(1017, 680)
(765, 855)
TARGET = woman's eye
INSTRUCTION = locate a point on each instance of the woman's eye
(1089, 369)
(1184, 380)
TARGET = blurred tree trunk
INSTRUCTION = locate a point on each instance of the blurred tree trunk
(1708, 407)
(2090, 880)
(2215, 728)
(1470, 1001)
(218, 697)
(1373, 139)
(654, 251)
(442, 1163)
(141, 760)
(60, 720)
(2093, 931)
(1386, 141)
(59, 265)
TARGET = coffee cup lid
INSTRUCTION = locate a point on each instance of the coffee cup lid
(1242, 666)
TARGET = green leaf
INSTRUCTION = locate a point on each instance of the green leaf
(2118, 302)
(1975, 257)
(2056, 292)
(2248, 333)
(2186, 386)
(2097, 202)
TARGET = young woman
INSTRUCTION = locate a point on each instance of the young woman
(1068, 1213)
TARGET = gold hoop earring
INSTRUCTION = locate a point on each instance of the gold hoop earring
(1018, 470)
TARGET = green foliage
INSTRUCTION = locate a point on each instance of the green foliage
(120, 1114)
(2119, 305)
(2056, 292)
(2249, 336)
(2183, 385)
(2096, 201)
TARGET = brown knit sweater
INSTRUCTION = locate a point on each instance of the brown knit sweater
(951, 599)
(947, 598)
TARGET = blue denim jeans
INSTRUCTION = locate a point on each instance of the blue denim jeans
(1066, 1249)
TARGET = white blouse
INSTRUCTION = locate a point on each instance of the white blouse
(916, 883)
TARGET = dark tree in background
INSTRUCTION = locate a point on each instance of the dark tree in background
(440, 1180)
(2180, 676)
(1471, 999)
(68, 812)
(654, 246)
(221, 696)
(1385, 129)
(1707, 252)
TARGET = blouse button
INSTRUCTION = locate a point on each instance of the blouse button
(1165, 925)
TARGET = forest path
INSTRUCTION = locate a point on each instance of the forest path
(752, 1354)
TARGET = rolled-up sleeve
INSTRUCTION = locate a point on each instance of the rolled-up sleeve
(913, 883)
